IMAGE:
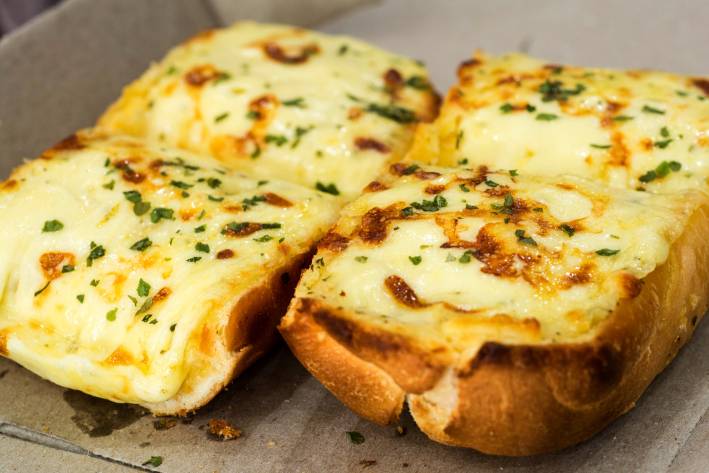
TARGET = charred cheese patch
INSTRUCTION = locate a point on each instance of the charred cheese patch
(117, 257)
(635, 129)
(492, 255)
(284, 102)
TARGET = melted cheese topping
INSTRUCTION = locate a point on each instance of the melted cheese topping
(116, 255)
(635, 129)
(455, 258)
(282, 102)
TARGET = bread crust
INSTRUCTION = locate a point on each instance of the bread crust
(248, 333)
(522, 399)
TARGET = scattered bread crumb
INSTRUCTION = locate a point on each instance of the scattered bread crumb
(223, 430)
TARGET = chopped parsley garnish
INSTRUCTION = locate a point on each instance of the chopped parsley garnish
(623, 118)
(221, 117)
(141, 245)
(200, 229)
(80, 298)
(458, 139)
(94, 282)
(664, 132)
(393, 112)
(194, 259)
(278, 140)
(140, 208)
(600, 146)
(327, 188)
(264, 238)
(153, 461)
(215, 199)
(471, 207)
(172, 327)
(410, 170)
(203, 247)
(342, 50)
(434, 205)
(296, 102)
(418, 82)
(462, 162)
(109, 185)
(530, 108)
(249, 202)
(97, 251)
(52, 226)
(553, 90)
(407, 211)
(606, 252)
(299, 132)
(663, 143)
(546, 117)
(67, 268)
(213, 182)
(39, 291)
(355, 437)
(149, 319)
(464, 188)
(221, 77)
(160, 213)
(568, 229)
(143, 288)
(253, 115)
(132, 196)
(662, 170)
(465, 258)
(506, 108)
(523, 238)
(491, 183)
(415, 260)
(180, 184)
(111, 315)
(361, 259)
(261, 183)
(506, 207)
(649, 109)
(513, 173)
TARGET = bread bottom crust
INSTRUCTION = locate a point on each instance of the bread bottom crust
(518, 399)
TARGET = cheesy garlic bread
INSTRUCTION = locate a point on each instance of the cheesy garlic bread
(145, 274)
(637, 129)
(515, 314)
(282, 102)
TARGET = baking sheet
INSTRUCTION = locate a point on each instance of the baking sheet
(289, 422)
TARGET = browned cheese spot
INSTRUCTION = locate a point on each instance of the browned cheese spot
(295, 55)
(52, 263)
(631, 285)
(243, 230)
(334, 242)
(221, 429)
(402, 292)
(127, 172)
(702, 84)
(364, 144)
(225, 254)
(375, 186)
(199, 75)
(276, 200)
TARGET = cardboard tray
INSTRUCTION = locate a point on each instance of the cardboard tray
(60, 71)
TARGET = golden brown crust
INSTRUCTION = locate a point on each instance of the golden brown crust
(361, 386)
(523, 400)
(247, 335)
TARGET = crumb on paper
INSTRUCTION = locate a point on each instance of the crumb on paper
(221, 429)
(271, 444)
(401, 430)
(164, 423)
(367, 463)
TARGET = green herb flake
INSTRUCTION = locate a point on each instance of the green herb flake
(109, 185)
(94, 282)
(160, 213)
(220, 117)
(327, 188)
(80, 298)
(202, 247)
(172, 327)
(180, 184)
(523, 238)
(459, 139)
(664, 132)
(546, 117)
(466, 257)
(299, 133)
(278, 140)
(194, 259)
(253, 115)
(97, 251)
(213, 182)
(393, 112)
(506, 108)
(462, 162)
(153, 461)
(649, 109)
(410, 170)
(607, 252)
(141, 208)
(568, 229)
(663, 143)
(141, 245)
(361, 259)
(600, 146)
(513, 173)
(418, 83)
(491, 183)
(41, 290)
(143, 288)
(355, 437)
(215, 199)
(464, 188)
(200, 229)
(553, 90)
(111, 314)
(132, 196)
(67, 268)
(415, 260)
(296, 102)
(52, 226)
(264, 238)
(623, 118)
(434, 205)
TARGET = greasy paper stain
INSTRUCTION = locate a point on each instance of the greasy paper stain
(98, 417)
